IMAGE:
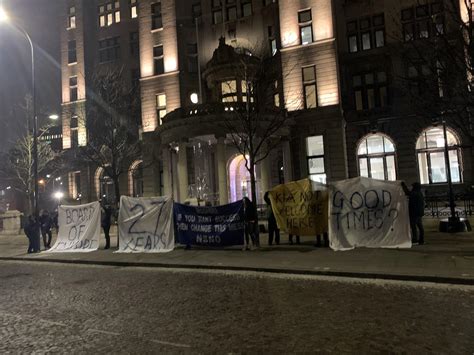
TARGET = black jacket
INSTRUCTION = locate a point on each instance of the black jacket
(32, 230)
(250, 212)
(416, 204)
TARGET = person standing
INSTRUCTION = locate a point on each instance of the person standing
(250, 216)
(46, 225)
(290, 238)
(272, 224)
(325, 238)
(106, 223)
(32, 231)
(416, 211)
(55, 221)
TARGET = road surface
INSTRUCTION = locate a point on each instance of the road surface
(90, 309)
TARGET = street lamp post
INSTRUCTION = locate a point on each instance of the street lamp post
(453, 218)
(4, 18)
(454, 224)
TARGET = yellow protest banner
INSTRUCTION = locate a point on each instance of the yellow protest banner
(301, 207)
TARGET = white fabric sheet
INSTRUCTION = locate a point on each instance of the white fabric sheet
(370, 213)
(79, 228)
(146, 225)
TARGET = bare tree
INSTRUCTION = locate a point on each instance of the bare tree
(258, 122)
(18, 168)
(440, 65)
(110, 117)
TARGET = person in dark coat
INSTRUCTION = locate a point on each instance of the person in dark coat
(55, 221)
(325, 238)
(416, 211)
(272, 224)
(106, 223)
(46, 224)
(250, 216)
(32, 231)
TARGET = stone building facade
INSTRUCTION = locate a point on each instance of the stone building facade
(336, 60)
(387, 137)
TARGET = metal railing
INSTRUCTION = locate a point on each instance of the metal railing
(438, 206)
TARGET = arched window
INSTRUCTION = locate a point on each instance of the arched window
(104, 186)
(239, 179)
(431, 159)
(135, 179)
(376, 157)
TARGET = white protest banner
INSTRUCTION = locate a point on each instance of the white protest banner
(79, 228)
(370, 213)
(146, 225)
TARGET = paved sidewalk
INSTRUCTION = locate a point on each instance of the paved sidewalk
(445, 258)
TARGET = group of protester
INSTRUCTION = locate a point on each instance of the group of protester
(36, 227)
(274, 231)
(251, 232)
(416, 208)
(45, 222)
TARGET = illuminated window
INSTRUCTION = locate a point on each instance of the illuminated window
(71, 20)
(378, 26)
(306, 26)
(376, 157)
(366, 33)
(276, 94)
(272, 40)
(309, 87)
(370, 90)
(422, 21)
(71, 52)
(229, 91)
(315, 158)
(431, 157)
(249, 93)
(109, 14)
(109, 50)
(102, 17)
(156, 16)
(133, 9)
(73, 88)
(75, 184)
(74, 129)
(158, 59)
(161, 107)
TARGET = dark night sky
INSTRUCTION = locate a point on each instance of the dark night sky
(40, 18)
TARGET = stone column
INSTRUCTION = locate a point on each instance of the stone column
(287, 165)
(165, 157)
(182, 172)
(221, 171)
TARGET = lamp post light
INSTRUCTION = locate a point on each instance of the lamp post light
(4, 18)
(58, 195)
